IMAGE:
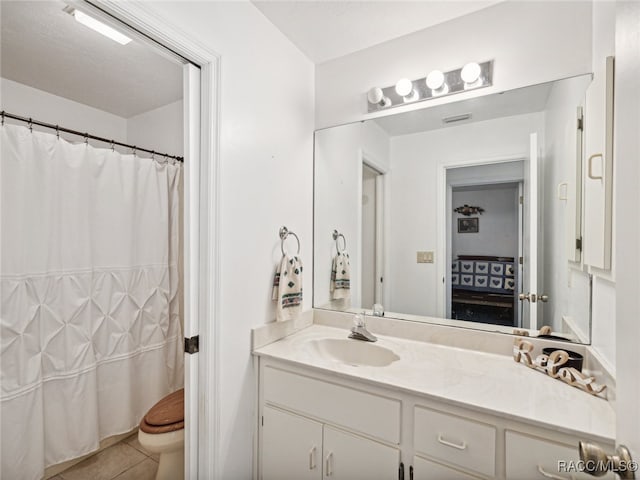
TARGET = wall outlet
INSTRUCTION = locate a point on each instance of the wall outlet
(425, 257)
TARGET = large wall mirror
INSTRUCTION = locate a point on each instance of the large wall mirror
(467, 213)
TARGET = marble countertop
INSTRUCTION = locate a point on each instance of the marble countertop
(484, 382)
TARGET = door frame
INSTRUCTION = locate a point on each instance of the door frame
(443, 198)
(382, 216)
(201, 235)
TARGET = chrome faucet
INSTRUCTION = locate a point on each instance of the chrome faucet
(359, 330)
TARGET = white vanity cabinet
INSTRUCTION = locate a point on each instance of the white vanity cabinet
(314, 424)
(312, 428)
(297, 448)
(291, 446)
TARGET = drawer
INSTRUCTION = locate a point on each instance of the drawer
(455, 440)
(363, 412)
(424, 469)
(531, 458)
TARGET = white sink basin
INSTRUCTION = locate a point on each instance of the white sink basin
(353, 352)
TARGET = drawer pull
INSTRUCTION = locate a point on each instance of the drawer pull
(312, 458)
(590, 166)
(459, 446)
(550, 475)
(328, 471)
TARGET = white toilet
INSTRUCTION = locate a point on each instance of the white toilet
(162, 431)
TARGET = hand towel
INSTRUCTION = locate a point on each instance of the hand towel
(340, 276)
(287, 288)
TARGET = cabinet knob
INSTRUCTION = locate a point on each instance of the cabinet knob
(598, 463)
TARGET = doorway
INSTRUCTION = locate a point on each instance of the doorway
(199, 139)
(372, 235)
(483, 245)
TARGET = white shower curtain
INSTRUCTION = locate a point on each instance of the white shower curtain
(90, 329)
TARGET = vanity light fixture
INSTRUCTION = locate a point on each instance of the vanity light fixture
(405, 89)
(436, 84)
(97, 25)
(376, 97)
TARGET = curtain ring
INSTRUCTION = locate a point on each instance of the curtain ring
(153, 155)
(30, 125)
(57, 132)
(3, 118)
(112, 146)
(86, 138)
(135, 150)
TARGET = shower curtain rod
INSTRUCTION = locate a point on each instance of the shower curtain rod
(87, 136)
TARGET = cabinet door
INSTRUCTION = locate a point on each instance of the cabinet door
(598, 186)
(535, 458)
(426, 470)
(291, 447)
(351, 457)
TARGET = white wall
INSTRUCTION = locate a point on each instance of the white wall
(266, 152)
(30, 102)
(415, 161)
(604, 285)
(531, 42)
(497, 226)
(566, 284)
(338, 199)
(160, 129)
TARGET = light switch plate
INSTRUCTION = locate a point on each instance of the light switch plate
(425, 257)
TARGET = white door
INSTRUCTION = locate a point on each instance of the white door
(291, 447)
(627, 148)
(530, 240)
(351, 457)
(191, 179)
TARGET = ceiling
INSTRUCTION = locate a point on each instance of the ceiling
(45, 48)
(324, 30)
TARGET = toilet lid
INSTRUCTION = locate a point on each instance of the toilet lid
(167, 411)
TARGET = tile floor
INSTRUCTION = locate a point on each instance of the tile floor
(126, 460)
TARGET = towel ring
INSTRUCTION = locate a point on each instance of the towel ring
(284, 233)
(336, 236)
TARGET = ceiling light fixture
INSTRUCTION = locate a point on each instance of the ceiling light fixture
(98, 26)
(435, 85)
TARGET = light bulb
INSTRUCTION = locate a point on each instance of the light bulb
(435, 80)
(376, 96)
(404, 87)
(470, 73)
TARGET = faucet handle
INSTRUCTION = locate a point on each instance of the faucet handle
(358, 320)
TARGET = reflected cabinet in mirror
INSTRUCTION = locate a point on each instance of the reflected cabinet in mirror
(467, 213)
